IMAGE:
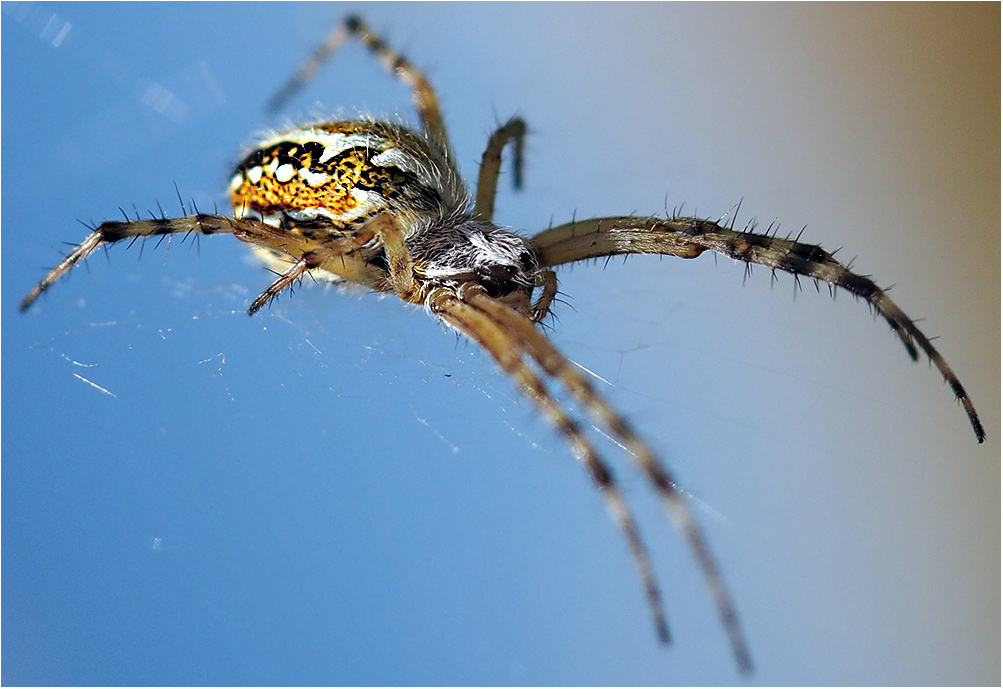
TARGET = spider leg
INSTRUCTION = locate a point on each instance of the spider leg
(487, 179)
(534, 344)
(689, 237)
(337, 252)
(422, 92)
(399, 263)
(297, 270)
(112, 231)
(505, 349)
(547, 280)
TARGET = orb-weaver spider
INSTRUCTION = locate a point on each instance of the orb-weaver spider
(394, 216)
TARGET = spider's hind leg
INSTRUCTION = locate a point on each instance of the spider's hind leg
(294, 272)
(114, 231)
(422, 92)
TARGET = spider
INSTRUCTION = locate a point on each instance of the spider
(381, 205)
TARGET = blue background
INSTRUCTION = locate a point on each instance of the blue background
(339, 491)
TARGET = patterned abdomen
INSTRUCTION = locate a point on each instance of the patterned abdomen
(345, 173)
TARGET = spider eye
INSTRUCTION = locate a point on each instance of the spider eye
(497, 280)
(527, 261)
(500, 273)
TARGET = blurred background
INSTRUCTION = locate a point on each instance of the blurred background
(339, 491)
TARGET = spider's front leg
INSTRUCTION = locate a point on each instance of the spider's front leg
(113, 231)
(514, 342)
(690, 237)
(533, 344)
(499, 342)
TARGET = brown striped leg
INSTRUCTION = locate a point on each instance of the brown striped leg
(534, 344)
(498, 341)
(422, 92)
(689, 237)
(110, 232)
(341, 248)
(487, 179)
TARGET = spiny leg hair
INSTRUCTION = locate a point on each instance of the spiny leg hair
(690, 237)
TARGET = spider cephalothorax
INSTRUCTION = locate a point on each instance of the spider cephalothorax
(384, 206)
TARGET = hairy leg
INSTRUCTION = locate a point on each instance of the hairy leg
(547, 281)
(499, 342)
(252, 231)
(690, 237)
(422, 92)
(487, 179)
(336, 253)
(534, 344)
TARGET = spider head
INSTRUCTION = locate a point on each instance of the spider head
(470, 249)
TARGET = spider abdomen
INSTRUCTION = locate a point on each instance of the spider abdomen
(347, 172)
